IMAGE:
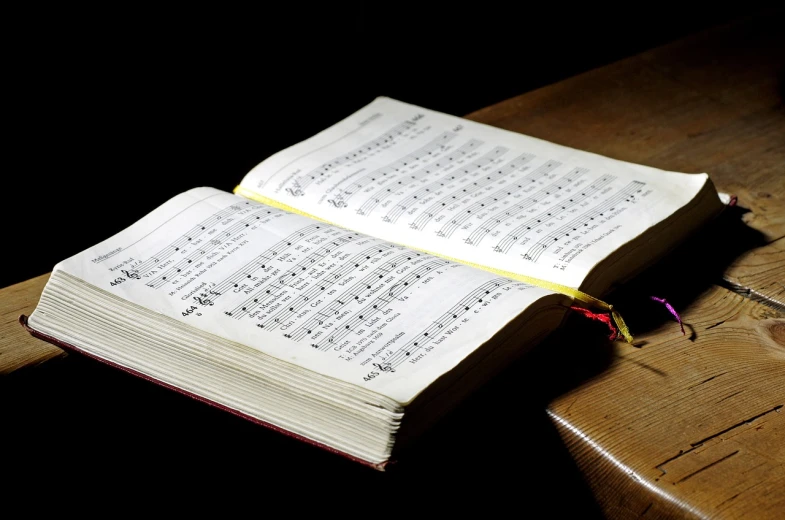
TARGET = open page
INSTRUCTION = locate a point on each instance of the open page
(470, 191)
(349, 306)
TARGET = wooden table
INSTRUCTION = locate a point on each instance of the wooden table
(679, 426)
(692, 425)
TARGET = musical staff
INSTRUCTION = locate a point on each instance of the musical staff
(359, 289)
(269, 292)
(474, 207)
(392, 171)
(201, 228)
(451, 177)
(626, 195)
(398, 182)
(518, 235)
(442, 323)
(282, 280)
(450, 198)
(290, 282)
(494, 220)
(386, 139)
(218, 239)
(471, 192)
(376, 305)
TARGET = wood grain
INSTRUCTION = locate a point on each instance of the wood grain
(687, 425)
(760, 274)
(710, 103)
(17, 348)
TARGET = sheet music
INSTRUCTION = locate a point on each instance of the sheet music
(338, 302)
(471, 191)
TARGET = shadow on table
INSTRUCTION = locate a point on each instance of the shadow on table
(686, 272)
(77, 427)
(84, 431)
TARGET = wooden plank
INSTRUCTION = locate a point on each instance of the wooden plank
(676, 107)
(687, 426)
(709, 103)
(17, 348)
(760, 274)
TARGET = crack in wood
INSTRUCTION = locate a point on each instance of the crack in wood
(715, 325)
(695, 445)
(707, 380)
(756, 484)
(727, 500)
(741, 423)
(707, 466)
(752, 294)
(729, 396)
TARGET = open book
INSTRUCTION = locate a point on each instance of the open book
(359, 284)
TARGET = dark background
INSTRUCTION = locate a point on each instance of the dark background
(110, 113)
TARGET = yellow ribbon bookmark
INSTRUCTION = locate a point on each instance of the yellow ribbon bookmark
(545, 284)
